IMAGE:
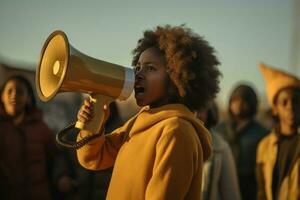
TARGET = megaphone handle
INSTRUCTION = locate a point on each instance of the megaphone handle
(94, 126)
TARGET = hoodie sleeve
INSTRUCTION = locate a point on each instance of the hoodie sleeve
(101, 152)
(178, 163)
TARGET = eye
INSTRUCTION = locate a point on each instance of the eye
(9, 91)
(137, 69)
(150, 68)
(284, 102)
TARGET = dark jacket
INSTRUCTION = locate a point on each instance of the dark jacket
(26, 153)
(243, 143)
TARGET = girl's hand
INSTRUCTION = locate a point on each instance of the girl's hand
(85, 113)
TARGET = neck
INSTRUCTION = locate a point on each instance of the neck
(165, 102)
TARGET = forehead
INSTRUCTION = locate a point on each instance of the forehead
(15, 84)
(237, 98)
(151, 55)
(289, 93)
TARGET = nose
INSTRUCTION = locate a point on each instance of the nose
(140, 75)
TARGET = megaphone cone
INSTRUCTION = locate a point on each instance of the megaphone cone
(62, 68)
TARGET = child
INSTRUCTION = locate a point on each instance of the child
(26, 143)
(278, 154)
(159, 153)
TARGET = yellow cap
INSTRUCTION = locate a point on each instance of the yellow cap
(276, 80)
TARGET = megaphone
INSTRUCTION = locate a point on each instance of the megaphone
(62, 68)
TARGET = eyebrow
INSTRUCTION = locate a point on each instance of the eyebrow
(149, 62)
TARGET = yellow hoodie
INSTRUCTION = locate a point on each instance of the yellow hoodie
(158, 154)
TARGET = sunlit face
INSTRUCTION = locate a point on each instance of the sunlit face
(152, 83)
(239, 107)
(287, 107)
(14, 98)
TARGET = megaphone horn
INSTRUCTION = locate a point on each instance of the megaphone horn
(62, 68)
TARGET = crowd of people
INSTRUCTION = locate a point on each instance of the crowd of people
(175, 147)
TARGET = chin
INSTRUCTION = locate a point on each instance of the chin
(11, 114)
(140, 103)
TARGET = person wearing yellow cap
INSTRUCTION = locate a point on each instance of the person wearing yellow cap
(278, 154)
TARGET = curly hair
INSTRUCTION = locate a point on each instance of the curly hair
(212, 115)
(190, 62)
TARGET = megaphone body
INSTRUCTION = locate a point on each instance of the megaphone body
(62, 68)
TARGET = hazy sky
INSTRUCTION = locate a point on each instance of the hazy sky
(243, 32)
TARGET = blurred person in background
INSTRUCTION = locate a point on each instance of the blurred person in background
(243, 134)
(278, 154)
(26, 143)
(219, 181)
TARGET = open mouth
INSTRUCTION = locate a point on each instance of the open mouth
(139, 90)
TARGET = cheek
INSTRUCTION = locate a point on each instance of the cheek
(4, 99)
(157, 84)
(235, 107)
(282, 112)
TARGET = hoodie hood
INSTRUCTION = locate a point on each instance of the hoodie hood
(153, 116)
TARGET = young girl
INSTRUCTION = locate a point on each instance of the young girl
(159, 153)
(26, 143)
(278, 154)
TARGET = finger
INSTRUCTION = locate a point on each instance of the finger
(87, 110)
(88, 103)
(83, 118)
(87, 113)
